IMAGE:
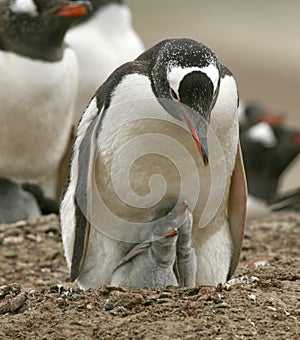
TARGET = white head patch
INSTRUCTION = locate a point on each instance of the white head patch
(176, 74)
(24, 6)
(263, 133)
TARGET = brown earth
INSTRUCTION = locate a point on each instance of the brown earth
(262, 301)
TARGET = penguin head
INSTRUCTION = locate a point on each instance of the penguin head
(164, 234)
(170, 224)
(36, 28)
(185, 78)
(251, 114)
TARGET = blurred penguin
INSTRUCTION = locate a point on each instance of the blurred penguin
(38, 84)
(268, 150)
(103, 40)
(252, 113)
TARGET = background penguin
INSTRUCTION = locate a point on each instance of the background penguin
(38, 85)
(103, 40)
(173, 90)
(16, 204)
(251, 114)
(268, 151)
(150, 265)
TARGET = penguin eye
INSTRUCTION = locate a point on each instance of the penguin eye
(173, 94)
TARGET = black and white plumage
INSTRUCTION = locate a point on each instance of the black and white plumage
(150, 264)
(38, 85)
(103, 40)
(268, 151)
(251, 114)
(16, 204)
(164, 102)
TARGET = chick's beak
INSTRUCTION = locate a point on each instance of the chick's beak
(75, 10)
(172, 232)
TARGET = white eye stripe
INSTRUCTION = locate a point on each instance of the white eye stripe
(24, 6)
(213, 74)
(176, 74)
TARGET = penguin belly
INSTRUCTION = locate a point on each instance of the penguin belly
(36, 115)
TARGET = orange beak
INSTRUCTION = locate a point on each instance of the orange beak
(200, 146)
(172, 232)
(73, 11)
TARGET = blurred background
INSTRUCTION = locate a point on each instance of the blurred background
(258, 40)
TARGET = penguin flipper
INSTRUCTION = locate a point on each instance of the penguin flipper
(83, 194)
(138, 249)
(236, 209)
(64, 163)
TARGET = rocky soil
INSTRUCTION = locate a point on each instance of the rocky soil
(262, 301)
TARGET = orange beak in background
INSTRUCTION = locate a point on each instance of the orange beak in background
(73, 11)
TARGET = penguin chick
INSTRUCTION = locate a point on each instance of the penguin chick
(150, 264)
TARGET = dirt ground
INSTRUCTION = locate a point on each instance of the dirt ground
(262, 301)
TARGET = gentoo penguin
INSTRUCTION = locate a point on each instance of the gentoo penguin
(251, 114)
(150, 264)
(38, 85)
(268, 150)
(103, 40)
(16, 204)
(162, 129)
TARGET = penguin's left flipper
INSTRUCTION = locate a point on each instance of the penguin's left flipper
(83, 193)
(64, 163)
(236, 209)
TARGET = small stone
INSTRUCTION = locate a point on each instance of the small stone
(60, 302)
(108, 306)
(252, 297)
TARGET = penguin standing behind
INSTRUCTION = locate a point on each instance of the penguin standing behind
(38, 85)
(151, 264)
(162, 129)
(268, 151)
(103, 40)
(251, 114)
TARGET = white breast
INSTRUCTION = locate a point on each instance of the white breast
(146, 154)
(102, 44)
(36, 114)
